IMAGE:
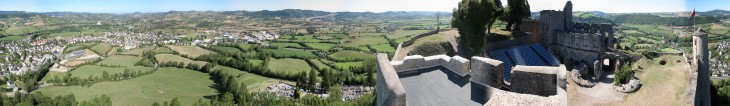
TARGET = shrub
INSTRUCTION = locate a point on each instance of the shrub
(622, 75)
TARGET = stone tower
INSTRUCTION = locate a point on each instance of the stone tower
(701, 66)
(568, 12)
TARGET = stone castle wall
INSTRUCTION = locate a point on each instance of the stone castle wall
(533, 27)
(390, 90)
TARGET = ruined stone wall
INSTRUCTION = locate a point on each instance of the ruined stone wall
(536, 80)
(390, 90)
(533, 27)
(553, 22)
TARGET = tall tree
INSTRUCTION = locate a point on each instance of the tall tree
(472, 18)
(312, 79)
(516, 12)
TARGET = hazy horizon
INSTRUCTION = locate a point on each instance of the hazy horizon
(151, 6)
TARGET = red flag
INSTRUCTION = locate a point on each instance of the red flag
(692, 14)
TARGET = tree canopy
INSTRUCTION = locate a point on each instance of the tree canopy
(472, 18)
(515, 12)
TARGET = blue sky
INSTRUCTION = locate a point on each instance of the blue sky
(128, 6)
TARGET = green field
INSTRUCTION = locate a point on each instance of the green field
(162, 85)
(119, 60)
(319, 65)
(253, 82)
(176, 58)
(163, 50)
(405, 33)
(245, 46)
(12, 38)
(101, 48)
(137, 51)
(366, 40)
(321, 46)
(93, 70)
(192, 51)
(287, 45)
(52, 74)
(383, 48)
(347, 65)
(257, 62)
(78, 46)
(290, 53)
(350, 55)
(288, 66)
(226, 49)
(670, 50)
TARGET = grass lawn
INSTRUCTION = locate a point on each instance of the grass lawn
(192, 51)
(290, 53)
(350, 55)
(94, 70)
(321, 46)
(119, 60)
(101, 48)
(162, 85)
(288, 66)
(176, 58)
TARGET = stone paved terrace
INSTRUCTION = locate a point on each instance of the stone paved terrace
(430, 87)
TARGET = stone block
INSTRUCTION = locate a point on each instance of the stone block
(536, 80)
(458, 65)
(412, 62)
(436, 60)
(486, 71)
(396, 65)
